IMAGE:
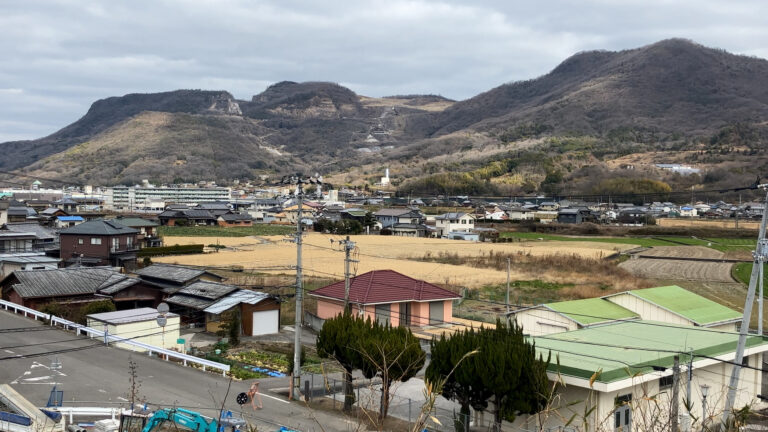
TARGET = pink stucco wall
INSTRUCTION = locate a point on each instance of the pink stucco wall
(419, 311)
(419, 314)
(328, 308)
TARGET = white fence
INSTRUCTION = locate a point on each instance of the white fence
(81, 329)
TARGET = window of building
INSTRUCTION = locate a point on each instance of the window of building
(436, 312)
(666, 382)
(383, 313)
(128, 242)
(95, 240)
(79, 241)
(115, 243)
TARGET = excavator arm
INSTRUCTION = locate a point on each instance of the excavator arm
(180, 416)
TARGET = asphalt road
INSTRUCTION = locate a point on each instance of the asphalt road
(99, 376)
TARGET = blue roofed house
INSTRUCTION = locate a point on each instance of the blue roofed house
(68, 221)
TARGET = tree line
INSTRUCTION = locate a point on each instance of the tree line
(474, 367)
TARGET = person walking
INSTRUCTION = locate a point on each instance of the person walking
(253, 393)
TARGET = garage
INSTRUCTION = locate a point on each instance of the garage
(265, 322)
(259, 312)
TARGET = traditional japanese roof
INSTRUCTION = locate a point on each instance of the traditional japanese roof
(214, 206)
(169, 272)
(38, 230)
(699, 310)
(136, 222)
(201, 294)
(393, 212)
(64, 282)
(98, 227)
(385, 286)
(232, 217)
(20, 259)
(208, 290)
(52, 211)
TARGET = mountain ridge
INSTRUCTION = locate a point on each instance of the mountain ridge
(672, 89)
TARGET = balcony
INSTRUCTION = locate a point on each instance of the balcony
(123, 249)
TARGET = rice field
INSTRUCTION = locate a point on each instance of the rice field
(403, 254)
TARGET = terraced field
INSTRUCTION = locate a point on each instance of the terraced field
(683, 252)
(679, 270)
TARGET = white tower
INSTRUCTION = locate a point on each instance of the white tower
(385, 179)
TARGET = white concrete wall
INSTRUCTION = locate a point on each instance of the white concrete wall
(647, 310)
(725, 327)
(147, 332)
(542, 321)
(646, 395)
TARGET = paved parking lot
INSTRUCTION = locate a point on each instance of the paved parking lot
(97, 375)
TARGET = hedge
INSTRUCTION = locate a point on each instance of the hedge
(172, 250)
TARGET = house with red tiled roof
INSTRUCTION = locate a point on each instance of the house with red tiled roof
(388, 297)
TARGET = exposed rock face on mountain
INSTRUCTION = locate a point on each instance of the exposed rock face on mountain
(673, 88)
(111, 111)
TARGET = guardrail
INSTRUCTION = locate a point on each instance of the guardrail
(81, 329)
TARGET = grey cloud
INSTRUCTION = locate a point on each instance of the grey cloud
(61, 55)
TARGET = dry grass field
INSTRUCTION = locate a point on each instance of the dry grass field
(322, 258)
(706, 223)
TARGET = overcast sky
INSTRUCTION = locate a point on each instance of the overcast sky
(58, 56)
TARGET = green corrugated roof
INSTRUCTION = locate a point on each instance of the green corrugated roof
(580, 352)
(591, 311)
(692, 306)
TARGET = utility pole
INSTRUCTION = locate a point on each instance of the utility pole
(675, 395)
(349, 246)
(759, 257)
(506, 299)
(299, 297)
(298, 181)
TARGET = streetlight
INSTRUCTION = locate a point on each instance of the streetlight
(704, 392)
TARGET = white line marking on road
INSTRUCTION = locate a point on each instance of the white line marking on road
(122, 399)
(37, 378)
(9, 352)
(275, 398)
(102, 391)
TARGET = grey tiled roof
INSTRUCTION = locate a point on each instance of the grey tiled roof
(235, 217)
(61, 282)
(178, 274)
(189, 301)
(197, 214)
(392, 212)
(208, 290)
(99, 227)
(40, 231)
(136, 222)
(117, 283)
